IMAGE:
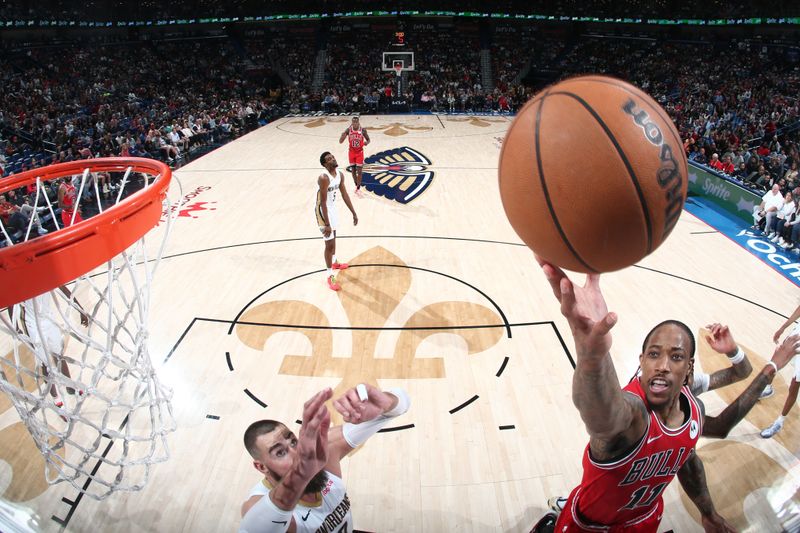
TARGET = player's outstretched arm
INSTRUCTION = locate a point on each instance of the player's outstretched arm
(367, 140)
(343, 136)
(365, 411)
(719, 426)
(274, 513)
(721, 341)
(608, 413)
(692, 476)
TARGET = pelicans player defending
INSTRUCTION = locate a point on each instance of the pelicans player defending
(357, 138)
(642, 436)
(330, 183)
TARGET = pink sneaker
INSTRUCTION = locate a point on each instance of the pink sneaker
(340, 266)
(332, 285)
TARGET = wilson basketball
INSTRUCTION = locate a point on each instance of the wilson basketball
(593, 175)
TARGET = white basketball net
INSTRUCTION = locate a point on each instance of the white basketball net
(85, 348)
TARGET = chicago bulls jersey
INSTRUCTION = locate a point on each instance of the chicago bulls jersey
(69, 196)
(627, 491)
(355, 139)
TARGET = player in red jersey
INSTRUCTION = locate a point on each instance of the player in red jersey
(67, 196)
(642, 436)
(357, 138)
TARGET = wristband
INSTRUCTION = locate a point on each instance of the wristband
(403, 403)
(357, 434)
(738, 357)
(773, 365)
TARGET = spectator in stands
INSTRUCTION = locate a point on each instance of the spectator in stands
(791, 175)
(700, 156)
(715, 163)
(790, 232)
(763, 180)
(775, 167)
(726, 166)
(771, 202)
(775, 226)
(15, 219)
(170, 151)
(741, 173)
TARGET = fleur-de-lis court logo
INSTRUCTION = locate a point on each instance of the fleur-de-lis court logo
(481, 122)
(396, 129)
(374, 288)
(399, 174)
(316, 122)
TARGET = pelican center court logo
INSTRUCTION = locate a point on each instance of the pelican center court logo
(399, 174)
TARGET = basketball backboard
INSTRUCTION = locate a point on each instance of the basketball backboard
(392, 59)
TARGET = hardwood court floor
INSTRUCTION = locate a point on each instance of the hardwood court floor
(492, 432)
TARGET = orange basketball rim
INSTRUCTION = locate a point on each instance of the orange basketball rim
(43, 263)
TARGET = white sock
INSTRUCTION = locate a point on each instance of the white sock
(780, 419)
(334, 261)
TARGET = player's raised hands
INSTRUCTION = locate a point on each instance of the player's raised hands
(312, 444)
(786, 351)
(584, 308)
(355, 410)
(720, 338)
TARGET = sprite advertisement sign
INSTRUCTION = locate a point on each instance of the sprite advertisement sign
(734, 199)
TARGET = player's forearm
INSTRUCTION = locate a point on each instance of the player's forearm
(742, 369)
(692, 477)
(325, 218)
(720, 425)
(346, 198)
(598, 397)
(732, 374)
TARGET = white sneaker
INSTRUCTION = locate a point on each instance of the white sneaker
(767, 392)
(42, 231)
(774, 238)
(557, 503)
(785, 245)
(772, 430)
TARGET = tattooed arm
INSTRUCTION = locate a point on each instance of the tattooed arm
(719, 426)
(692, 476)
(721, 340)
(613, 419)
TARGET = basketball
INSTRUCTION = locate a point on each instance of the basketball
(592, 174)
